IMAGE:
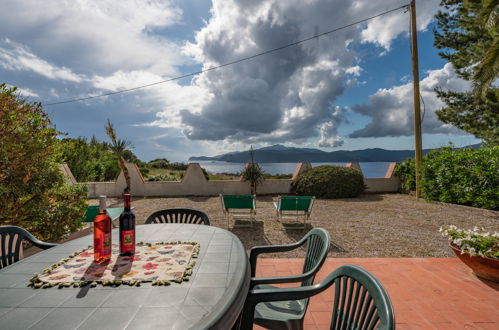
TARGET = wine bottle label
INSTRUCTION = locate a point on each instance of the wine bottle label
(128, 241)
(107, 244)
(97, 248)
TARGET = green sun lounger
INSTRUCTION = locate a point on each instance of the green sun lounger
(239, 207)
(294, 207)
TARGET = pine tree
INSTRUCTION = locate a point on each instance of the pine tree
(468, 36)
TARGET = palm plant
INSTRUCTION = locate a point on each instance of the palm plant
(119, 147)
(253, 173)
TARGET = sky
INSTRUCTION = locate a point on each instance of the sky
(348, 90)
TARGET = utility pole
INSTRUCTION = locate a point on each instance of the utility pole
(417, 106)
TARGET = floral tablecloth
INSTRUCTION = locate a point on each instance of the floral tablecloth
(158, 263)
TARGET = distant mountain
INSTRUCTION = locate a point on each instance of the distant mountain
(282, 154)
(275, 147)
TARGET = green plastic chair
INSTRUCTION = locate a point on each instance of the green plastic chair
(294, 207)
(317, 241)
(179, 215)
(11, 238)
(239, 207)
(360, 302)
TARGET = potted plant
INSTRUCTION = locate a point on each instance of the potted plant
(477, 248)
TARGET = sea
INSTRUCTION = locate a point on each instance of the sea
(370, 169)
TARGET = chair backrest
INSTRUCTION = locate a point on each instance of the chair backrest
(179, 216)
(360, 301)
(10, 248)
(318, 242)
(91, 212)
(295, 203)
(11, 238)
(238, 202)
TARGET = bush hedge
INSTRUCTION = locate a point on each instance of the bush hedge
(465, 176)
(460, 176)
(406, 171)
(329, 181)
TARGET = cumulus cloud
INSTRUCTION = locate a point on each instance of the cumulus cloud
(329, 129)
(287, 96)
(16, 57)
(391, 109)
(96, 36)
(382, 30)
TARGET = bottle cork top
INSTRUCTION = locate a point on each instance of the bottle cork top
(102, 203)
(127, 199)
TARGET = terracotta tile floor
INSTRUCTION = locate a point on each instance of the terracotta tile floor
(427, 293)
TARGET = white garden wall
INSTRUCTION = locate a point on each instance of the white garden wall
(195, 184)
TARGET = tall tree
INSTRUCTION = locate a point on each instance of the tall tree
(120, 148)
(467, 34)
(33, 191)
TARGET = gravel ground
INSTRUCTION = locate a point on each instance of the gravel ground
(373, 225)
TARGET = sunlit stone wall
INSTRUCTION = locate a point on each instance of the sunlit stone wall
(195, 184)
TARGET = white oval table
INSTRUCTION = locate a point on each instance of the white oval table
(211, 299)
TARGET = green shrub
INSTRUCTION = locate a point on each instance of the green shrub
(89, 161)
(177, 166)
(159, 163)
(463, 176)
(407, 174)
(144, 170)
(32, 189)
(329, 181)
(59, 213)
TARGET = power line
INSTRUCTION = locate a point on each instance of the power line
(229, 63)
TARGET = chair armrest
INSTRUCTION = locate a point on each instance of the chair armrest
(256, 296)
(281, 294)
(44, 245)
(281, 279)
(36, 242)
(255, 251)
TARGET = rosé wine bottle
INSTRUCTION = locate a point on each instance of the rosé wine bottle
(102, 233)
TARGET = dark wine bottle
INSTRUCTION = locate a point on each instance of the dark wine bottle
(102, 233)
(127, 229)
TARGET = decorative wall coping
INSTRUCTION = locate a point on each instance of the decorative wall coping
(390, 171)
